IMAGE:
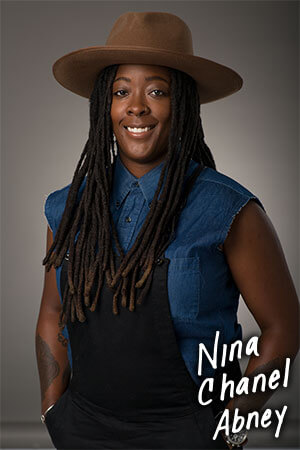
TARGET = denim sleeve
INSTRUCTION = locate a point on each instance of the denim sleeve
(54, 207)
(55, 204)
(48, 211)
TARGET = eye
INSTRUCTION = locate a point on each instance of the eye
(120, 93)
(158, 93)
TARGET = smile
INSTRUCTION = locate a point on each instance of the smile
(140, 131)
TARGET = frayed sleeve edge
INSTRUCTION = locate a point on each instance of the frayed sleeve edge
(47, 211)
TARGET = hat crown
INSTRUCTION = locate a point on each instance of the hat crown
(161, 31)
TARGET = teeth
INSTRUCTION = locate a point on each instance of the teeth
(138, 130)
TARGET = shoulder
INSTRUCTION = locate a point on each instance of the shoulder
(56, 197)
(224, 191)
(55, 203)
(217, 199)
(54, 206)
(217, 181)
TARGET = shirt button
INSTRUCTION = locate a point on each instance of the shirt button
(136, 183)
(159, 261)
(149, 204)
(128, 219)
(117, 203)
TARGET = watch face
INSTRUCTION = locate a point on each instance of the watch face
(237, 438)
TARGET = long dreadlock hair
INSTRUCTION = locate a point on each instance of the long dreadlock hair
(91, 219)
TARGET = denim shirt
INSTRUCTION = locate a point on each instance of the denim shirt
(203, 296)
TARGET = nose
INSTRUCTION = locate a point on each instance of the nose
(138, 106)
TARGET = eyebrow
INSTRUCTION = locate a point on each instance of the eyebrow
(155, 77)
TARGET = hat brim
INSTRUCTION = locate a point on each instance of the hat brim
(77, 71)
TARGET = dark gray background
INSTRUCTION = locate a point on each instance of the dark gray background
(252, 134)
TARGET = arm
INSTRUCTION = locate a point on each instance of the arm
(259, 268)
(50, 344)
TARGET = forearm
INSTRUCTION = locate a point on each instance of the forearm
(52, 358)
(274, 347)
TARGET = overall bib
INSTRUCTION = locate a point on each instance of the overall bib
(130, 388)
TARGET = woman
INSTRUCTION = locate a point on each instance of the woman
(178, 243)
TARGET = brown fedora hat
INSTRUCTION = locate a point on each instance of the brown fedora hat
(155, 38)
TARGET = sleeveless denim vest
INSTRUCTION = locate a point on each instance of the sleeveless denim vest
(203, 296)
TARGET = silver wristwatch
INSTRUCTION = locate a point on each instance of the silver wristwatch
(236, 440)
(43, 416)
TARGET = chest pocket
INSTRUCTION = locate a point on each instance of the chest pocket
(184, 287)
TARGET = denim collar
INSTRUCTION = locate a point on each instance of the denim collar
(125, 181)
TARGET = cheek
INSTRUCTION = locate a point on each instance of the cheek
(166, 125)
(113, 118)
(115, 114)
(165, 116)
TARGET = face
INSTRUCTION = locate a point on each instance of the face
(141, 115)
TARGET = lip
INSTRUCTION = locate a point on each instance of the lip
(139, 135)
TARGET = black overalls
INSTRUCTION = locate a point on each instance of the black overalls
(130, 388)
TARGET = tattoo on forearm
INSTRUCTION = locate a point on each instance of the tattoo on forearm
(61, 338)
(47, 364)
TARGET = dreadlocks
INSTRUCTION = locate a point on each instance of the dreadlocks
(91, 219)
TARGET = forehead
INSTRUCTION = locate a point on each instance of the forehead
(143, 70)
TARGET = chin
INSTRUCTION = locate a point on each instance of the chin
(139, 155)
